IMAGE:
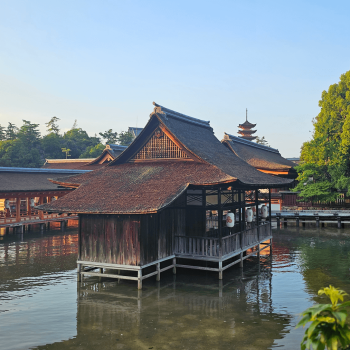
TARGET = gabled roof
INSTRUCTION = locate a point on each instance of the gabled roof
(66, 163)
(111, 152)
(259, 156)
(132, 184)
(31, 179)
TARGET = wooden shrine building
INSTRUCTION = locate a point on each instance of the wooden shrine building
(108, 154)
(169, 200)
(263, 158)
(21, 189)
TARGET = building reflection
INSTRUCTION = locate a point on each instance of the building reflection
(178, 312)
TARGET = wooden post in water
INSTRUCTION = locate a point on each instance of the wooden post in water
(158, 274)
(339, 221)
(139, 279)
(220, 222)
(174, 268)
(317, 221)
(270, 204)
(220, 270)
(241, 262)
(297, 219)
(78, 273)
(257, 212)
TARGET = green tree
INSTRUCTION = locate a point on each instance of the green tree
(51, 145)
(93, 151)
(326, 157)
(52, 126)
(2, 133)
(11, 131)
(77, 140)
(25, 150)
(125, 138)
(110, 136)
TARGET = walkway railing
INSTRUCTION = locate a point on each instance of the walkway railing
(209, 246)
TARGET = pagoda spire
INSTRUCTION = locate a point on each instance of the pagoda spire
(247, 132)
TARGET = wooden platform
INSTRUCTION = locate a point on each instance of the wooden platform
(190, 253)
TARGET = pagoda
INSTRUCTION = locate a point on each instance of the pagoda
(247, 127)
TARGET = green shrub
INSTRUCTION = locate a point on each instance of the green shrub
(328, 328)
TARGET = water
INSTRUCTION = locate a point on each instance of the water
(43, 307)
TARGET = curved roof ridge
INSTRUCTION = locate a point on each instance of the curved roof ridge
(159, 109)
(251, 144)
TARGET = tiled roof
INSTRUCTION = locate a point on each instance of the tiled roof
(23, 179)
(147, 186)
(259, 156)
(198, 137)
(134, 187)
(66, 163)
(246, 125)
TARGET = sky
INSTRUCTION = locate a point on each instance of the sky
(104, 63)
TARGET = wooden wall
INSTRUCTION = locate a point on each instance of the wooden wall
(110, 239)
(130, 239)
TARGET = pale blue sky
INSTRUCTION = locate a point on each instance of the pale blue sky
(105, 62)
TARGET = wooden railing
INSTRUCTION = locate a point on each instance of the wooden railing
(204, 246)
(209, 246)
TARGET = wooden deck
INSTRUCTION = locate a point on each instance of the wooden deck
(208, 248)
(232, 250)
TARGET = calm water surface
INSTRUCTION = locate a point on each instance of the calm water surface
(257, 307)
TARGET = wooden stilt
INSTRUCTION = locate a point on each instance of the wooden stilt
(158, 270)
(339, 221)
(259, 252)
(78, 273)
(220, 270)
(174, 268)
(241, 262)
(100, 278)
(139, 279)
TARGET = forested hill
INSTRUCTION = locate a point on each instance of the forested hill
(325, 169)
(24, 146)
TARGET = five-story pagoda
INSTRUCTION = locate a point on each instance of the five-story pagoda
(247, 132)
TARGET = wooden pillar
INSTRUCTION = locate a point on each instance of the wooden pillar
(41, 213)
(240, 209)
(259, 252)
(241, 262)
(339, 221)
(139, 279)
(18, 209)
(78, 273)
(220, 270)
(220, 222)
(158, 274)
(297, 219)
(29, 208)
(174, 268)
(270, 204)
(243, 210)
(317, 221)
(101, 272)
(257, 212)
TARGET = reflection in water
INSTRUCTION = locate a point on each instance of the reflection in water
(253, 308)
